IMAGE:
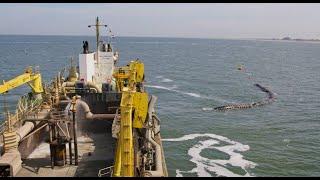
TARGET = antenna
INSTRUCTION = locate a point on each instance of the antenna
(110, 35)
(97, 25)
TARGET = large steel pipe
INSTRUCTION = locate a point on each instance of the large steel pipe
(87, 84)
(158, 172)
(90, 115)
(29, 126)
(24, 130)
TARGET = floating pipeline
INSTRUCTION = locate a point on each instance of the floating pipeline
(270, 99)
(270, 94)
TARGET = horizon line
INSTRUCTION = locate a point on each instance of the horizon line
(134, 36)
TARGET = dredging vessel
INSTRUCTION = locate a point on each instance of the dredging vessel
(96, 121)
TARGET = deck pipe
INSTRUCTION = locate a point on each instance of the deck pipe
(75, 139)
(32, 121)
(87, 84)
(89, 115)
(12, 158)
(158, 172)
(29, 126)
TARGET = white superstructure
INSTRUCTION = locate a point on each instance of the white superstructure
(104, 67)
(86, 67)
(97, 67)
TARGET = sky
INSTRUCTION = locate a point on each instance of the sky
(190, 20)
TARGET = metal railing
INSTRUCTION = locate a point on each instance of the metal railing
(24, 107)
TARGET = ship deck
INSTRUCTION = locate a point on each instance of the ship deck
(95, 150)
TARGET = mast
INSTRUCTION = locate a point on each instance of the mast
(97, 33)
(97, 25)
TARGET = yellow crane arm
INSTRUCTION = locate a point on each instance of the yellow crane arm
(33, 80)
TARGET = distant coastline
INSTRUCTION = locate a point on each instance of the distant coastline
(285, 39)
(288, 39)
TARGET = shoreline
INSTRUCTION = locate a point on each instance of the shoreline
(297, 41)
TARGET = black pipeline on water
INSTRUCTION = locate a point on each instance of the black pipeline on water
(270, 99)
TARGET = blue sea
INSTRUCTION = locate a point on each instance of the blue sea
(190, 76)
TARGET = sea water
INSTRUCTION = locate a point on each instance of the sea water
(190, 78)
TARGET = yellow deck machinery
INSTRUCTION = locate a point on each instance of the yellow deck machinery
(34, 81)
(133, 107)
(28, 77)
(11, 138)
(100, 104)
(130, 159)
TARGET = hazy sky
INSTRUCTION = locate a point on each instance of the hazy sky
(165, 20)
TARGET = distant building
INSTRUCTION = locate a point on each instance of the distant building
(286, 38)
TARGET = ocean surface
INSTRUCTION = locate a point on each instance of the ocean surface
(190, 76)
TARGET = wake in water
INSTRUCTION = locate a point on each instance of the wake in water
(207, 109)
(207, 167)
(165, 80)
(174, 89)
(196, 95)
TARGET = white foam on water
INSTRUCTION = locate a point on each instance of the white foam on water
(178, 173)
(207, 109)
(286, 140)
(173, 89)
(166, 80)
(206, 167)
(159, 87)
(191, 94)
(163, 79)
